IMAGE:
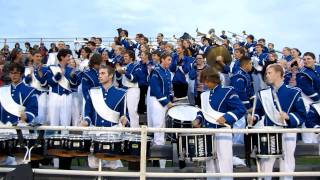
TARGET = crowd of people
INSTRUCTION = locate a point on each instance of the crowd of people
(102, 86)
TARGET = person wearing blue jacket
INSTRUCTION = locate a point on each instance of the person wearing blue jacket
(292, 113)
(225, 108)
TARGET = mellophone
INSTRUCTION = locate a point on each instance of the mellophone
(72, 145)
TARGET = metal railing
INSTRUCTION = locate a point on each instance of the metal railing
(143, 174)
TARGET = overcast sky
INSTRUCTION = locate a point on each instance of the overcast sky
(284, 22)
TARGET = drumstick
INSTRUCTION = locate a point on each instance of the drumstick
(253, 110)
(278, 104)
(204, 112)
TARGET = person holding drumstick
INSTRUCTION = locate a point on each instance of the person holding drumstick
(221, 107)
(287, 101)
(105, 108)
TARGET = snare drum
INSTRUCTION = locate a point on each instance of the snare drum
(266, 145)
(196, 147)
(108, 144)
(181, 116)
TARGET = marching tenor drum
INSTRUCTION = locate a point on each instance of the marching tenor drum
(78, 145)
(196, 147)
(180, 116)
(108, 144)
(266, 145)
(30, 142)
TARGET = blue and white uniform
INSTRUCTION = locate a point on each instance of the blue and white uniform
(60, 97)
(291, 103)
(221, 101)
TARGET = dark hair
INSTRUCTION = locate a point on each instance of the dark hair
(259, 45)
(250, 37)
(164, 55)
(311, 54)
(210, 74)
(147, 54)
(92, 43)
(27, 44)
(277, 68)
(146, 39)
(262, 39)
(296, 49)
(35, 51)
(244, 60)
(99, 38)
(131, 54)
(241, 50)
(63, 53)
(16, 66)
(14, 53)
(87, 50)
(110, 69)
(96, 59)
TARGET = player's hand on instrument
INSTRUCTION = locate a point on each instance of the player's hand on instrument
(196, 123)
(170, 105)
(251, 119)
(123, 120)
(23, 116)
(222, 120)
(84, 123)
(284, 116)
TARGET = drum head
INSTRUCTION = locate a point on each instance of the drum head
(183, 112)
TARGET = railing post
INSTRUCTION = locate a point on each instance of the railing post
(143, 153)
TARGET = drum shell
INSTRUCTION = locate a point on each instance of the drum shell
(77, 144)
(107, 147)
(196, 147)
(267, 144)
(134, 147)
(28, 141)
(58, 143)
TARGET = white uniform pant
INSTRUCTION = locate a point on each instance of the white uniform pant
(309, 137)
(60, 109)
(133, 97)
(42, 117)
(158, 119)
(287, 163)
(149, 112)
(223, 163)
(76, 108)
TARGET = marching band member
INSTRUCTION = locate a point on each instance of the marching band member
(286, 54)
(227, 107)
(160, 98)
(18, 102)
(143, 81)
(37, 78)
(235, 64)
(242, 82)
(128, 77)
(105, 108)
(250, 45)
(52, 59)
(289, 110)
(84, 58)
(180, 66)
(308, 80)
(90, 76)
(60, 77)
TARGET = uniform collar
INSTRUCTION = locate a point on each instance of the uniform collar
(16, 86)
(277, 89)
(215, 88)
